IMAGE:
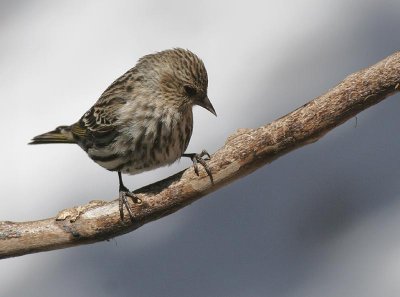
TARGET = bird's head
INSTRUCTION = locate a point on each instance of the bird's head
(182, 77)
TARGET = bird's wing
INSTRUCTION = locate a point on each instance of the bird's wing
(120, 87)
(97, 127)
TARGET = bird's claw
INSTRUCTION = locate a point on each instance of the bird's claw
(199, 158)
(124, 193)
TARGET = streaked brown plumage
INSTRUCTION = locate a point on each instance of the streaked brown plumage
(143, 120)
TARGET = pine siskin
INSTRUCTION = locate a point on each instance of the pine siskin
(144, 119)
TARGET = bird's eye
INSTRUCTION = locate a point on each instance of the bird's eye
(190, 91)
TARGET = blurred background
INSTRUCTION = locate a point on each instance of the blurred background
(321, 221)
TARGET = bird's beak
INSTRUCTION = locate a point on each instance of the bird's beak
(205, 103)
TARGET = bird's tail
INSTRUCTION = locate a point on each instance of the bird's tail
(61, 134)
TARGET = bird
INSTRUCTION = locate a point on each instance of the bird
(143, 120)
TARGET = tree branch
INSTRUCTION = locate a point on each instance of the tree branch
(243, 152)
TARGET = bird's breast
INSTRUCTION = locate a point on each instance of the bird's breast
(147, 142)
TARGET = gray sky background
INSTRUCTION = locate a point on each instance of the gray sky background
(321, 221)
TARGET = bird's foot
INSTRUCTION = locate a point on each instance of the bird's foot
(199, 158)
(124, 193)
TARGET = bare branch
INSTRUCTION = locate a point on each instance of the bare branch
(243, 152)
